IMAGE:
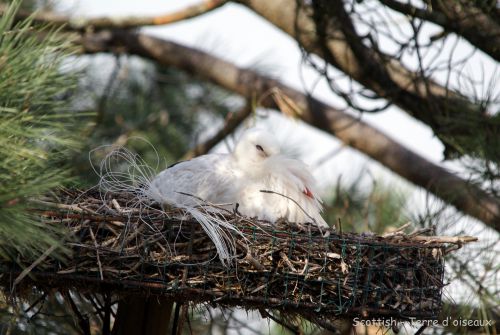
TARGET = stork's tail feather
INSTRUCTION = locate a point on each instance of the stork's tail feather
(218, 229)
(122, 171)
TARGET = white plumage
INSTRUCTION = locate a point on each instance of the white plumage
(208, 177)
(255, 165)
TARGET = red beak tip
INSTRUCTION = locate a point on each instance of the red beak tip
(308, 193)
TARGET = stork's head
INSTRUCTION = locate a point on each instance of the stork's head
(255, 146)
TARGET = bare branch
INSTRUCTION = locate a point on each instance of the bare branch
(98, 23)
(325, 29)
(232, 122)
(463, 19)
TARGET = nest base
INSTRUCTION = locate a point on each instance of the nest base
(295, 269)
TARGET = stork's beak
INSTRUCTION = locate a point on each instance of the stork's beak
(263, 154)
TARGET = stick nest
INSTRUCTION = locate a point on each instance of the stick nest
(126, 249)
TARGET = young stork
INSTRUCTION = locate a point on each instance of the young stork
(256, 175)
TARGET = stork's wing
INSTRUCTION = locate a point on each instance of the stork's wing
(207, 177)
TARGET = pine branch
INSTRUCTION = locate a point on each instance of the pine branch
(37, 133)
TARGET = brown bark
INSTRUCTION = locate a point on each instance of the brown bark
(465, 196)
(232, 122)
(325, 29)
(117, 22)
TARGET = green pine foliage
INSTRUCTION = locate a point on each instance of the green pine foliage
(37, 132)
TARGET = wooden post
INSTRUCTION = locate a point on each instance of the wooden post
(138, 315)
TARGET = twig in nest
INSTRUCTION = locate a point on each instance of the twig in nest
(254, 262)
(447, 239)
(249, 256)
(287, 261)
(306, 265)
(397, 231)
(74, 208)
(97, 253)
(295, 202)
(116, 205)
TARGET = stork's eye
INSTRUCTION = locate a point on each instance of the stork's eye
(259, 148)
